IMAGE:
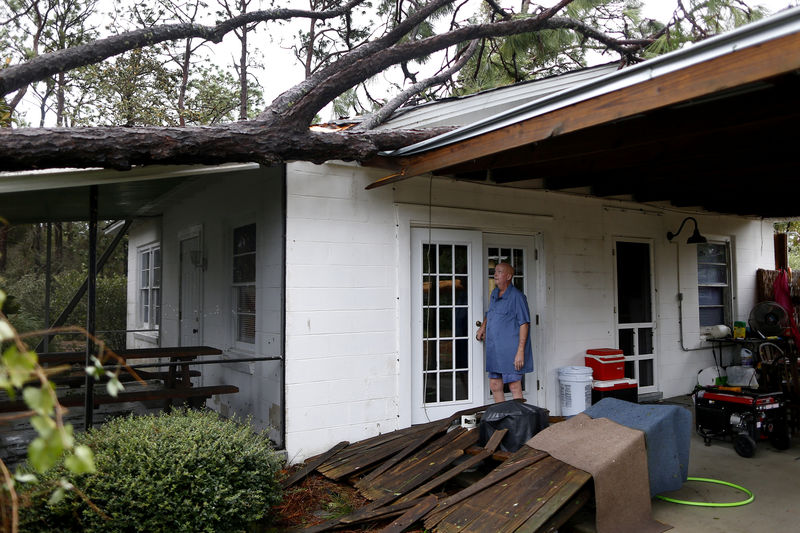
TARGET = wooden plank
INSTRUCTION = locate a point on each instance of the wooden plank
(411, 516)
(361, 462)
(497, 507)
(524, 458)
(494, 441)
(436, 427)
(380, 512)
(740, 67)
(564, 513)
(312, 465)
(416, 470)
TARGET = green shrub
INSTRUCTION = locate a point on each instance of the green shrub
(185, 471)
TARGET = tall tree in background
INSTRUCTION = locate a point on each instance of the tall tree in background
(230, 9)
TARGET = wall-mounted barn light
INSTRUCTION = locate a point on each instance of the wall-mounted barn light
(695, 238)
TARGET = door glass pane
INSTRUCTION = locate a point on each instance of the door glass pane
(633, 282)
(445, 322)
(626, 341)
(428, 290)
(445, 355)
(645, 341)
(646, 373)
(428, 258)
(445, 259)
(429, 355)
(446, 387)
(630, 369)
(462, 322)
(430, 385)
(462, 290)
(446, 290)
(518, 262)
(461, 264)
(462, 385)
(462, 353)
(429, 323)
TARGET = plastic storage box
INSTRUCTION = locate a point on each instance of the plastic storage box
(622, 389)
(606, 363)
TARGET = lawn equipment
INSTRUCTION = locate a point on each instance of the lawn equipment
(744, 416)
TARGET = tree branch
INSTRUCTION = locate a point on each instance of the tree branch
(250, 141)
(380, 116)
(40, 67)
(303, 111)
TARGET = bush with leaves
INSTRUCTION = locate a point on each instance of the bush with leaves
(185, 471)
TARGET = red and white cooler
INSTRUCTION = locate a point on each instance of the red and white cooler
(622, 389)
(606, 363)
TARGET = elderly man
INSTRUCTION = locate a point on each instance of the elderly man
(505, 329)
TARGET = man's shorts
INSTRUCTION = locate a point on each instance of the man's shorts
(511, 377)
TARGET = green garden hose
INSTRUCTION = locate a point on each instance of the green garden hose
(712, 504)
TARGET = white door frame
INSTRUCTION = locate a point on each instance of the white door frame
(534, 391)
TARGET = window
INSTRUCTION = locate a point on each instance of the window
(244, 284)
(150, 286)
(713, 283)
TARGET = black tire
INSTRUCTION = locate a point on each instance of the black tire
(780, 439)
(744, 445)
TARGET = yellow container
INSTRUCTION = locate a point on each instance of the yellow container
(739, 329)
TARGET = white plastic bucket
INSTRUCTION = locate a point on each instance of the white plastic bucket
(575, 389)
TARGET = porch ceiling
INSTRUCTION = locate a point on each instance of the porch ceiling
(63, 195)
(731, 153)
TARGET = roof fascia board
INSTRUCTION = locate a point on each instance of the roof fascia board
(11, 182)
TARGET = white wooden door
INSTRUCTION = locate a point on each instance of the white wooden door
(191, 282)
(521, 253)
(635, 311)
(446, 301)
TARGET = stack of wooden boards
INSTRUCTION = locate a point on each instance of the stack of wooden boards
(404, 473)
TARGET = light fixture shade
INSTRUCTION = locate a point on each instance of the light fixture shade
(696, 238)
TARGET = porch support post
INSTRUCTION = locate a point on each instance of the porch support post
(48, 273)
(91, 304)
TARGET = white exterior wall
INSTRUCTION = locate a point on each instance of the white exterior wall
(213, 206)
(142, 232)
(348, 257)
(341, 312)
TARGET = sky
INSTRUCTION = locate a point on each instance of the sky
(282, 70)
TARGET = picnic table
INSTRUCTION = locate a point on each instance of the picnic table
(176, 380)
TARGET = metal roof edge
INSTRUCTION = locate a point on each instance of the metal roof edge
(769, 28)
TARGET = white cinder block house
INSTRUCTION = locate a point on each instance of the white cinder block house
(368, 298)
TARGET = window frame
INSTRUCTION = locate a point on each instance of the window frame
(727, 288)
(148, 304)
(243, 345)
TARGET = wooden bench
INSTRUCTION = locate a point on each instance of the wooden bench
(177, 379)
(195, 395)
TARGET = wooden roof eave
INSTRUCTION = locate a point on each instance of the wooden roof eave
(743, 66)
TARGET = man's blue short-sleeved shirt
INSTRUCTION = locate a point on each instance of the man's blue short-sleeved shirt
(503, 319)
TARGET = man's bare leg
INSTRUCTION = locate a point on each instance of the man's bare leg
(496, 386)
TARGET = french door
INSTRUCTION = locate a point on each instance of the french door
(446, 299)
